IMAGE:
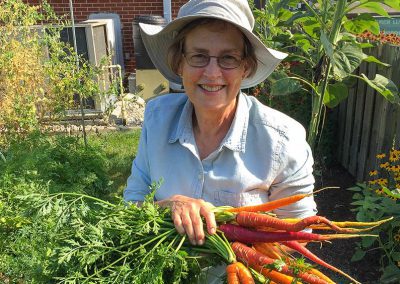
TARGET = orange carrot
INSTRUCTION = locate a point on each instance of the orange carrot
(232, 274)
(274, 275)
(257, 260)
(244, 274)
(305, 252)
(254, 220)
(268, 249)
(269, 206)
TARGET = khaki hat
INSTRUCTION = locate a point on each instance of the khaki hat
(157, 39)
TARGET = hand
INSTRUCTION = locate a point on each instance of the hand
(186, 214)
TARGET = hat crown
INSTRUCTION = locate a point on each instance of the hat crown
(235, 11)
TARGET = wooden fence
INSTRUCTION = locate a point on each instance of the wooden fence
(367, 123)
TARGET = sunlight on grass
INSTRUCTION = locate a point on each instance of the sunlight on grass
(120, 149)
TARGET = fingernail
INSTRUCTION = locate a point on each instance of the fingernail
(212, 231)
(201, 242)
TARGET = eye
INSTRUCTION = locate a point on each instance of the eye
(228, 58)
(198, 57)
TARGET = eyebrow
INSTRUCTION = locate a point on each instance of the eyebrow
(202, 50)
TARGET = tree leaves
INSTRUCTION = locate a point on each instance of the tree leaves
(335, 93)
(384, 86)
(361, 23)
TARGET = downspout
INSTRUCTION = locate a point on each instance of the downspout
(167, 10)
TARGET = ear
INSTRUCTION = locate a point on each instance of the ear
(180, 69)
(246, 71)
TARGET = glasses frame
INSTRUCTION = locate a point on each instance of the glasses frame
(219, 58)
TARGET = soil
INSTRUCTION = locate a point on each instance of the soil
(335, 205)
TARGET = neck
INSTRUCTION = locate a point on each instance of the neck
(210, 128)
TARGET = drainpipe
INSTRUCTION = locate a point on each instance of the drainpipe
(167, 10)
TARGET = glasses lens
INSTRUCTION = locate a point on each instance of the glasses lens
(201, 60)
(229, 61)
(198, 59)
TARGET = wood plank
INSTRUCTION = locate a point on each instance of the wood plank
(358, 119)
(381, 108)
(349, 128)
(363, 153)
(341, 129)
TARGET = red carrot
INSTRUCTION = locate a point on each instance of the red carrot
(256, 260)
(305, 252)
(251, 219)
(241, 234)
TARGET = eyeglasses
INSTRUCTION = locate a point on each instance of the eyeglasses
(227, 61)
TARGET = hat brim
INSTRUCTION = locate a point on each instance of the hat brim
(157, 40)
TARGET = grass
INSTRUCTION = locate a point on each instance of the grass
(120, 149)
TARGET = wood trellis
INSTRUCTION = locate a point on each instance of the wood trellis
(368, 123)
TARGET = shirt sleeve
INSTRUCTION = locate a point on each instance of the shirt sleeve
(294, 175)
(138, 183)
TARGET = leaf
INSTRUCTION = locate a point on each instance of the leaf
(347, 59)
(327, 46)
(375, 7)
(395, 256)
(373, 59)
(335, 93)
(384, 86)
(367, 242)
(395, 4)
(358, 255)
(391, 274)
(283, 85)
(361, 23)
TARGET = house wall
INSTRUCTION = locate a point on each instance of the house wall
(126, 9)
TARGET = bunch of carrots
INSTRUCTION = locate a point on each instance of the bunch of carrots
(260, 243)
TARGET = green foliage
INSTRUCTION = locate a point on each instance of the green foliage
(377, 200)
(39, 74)
(323, 41)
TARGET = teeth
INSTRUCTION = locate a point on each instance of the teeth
(212, 88)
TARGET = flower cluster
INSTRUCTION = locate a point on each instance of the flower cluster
(382, 37)
(386, 180)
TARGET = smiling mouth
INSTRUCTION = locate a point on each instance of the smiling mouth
(211, 88)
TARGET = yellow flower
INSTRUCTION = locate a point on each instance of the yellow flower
(379, 191)
(397, 237)
(394, 169)
(373, 181)
(381, 156)
(373, 173)
(384, 165)
(382, 182)
(394, 156)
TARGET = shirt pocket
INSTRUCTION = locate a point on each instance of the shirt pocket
(237, 199)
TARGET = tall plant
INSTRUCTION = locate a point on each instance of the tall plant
(38, 72)
(321, 40)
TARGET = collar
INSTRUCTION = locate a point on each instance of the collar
(235, 139)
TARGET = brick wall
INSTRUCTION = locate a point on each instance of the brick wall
(126, 9)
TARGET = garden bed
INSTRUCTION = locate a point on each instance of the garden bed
(335, 205)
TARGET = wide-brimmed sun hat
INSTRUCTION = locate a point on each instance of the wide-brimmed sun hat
(157, 39)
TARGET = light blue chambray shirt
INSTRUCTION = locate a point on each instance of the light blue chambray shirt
(264, 156)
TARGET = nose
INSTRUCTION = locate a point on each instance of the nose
(212, 69)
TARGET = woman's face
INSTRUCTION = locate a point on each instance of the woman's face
(212, 88)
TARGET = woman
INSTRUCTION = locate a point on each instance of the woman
(213, 145)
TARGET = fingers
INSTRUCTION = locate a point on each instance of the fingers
(210, 219)
(187, 216)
